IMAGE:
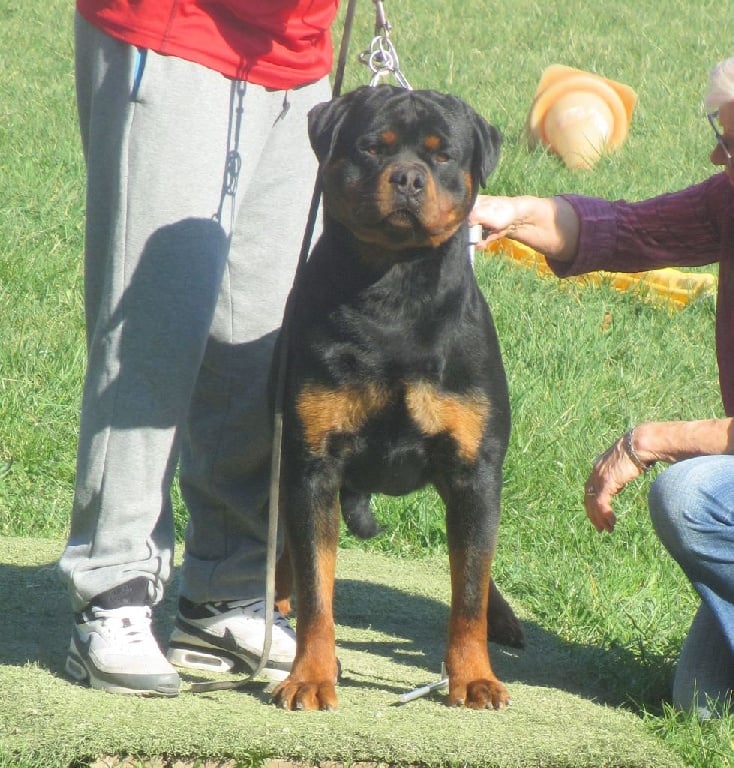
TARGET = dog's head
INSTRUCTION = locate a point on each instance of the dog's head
(401, 169)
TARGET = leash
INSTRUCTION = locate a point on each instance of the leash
(382, 60)
(381, 57)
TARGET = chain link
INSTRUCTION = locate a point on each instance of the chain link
(381, 57)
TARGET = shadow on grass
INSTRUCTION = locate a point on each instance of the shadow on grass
(614, 677)
(37, 617)
(37, 629)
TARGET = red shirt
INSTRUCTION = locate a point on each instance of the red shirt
(274, 43)
(689, 228)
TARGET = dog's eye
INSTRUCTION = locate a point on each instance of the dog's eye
(442, 157)
(372, 148)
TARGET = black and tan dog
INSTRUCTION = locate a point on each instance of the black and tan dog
(394, 375)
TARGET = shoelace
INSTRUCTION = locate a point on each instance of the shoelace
(131, 622)
(257, 608)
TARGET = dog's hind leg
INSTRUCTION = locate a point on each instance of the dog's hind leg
(284, 582)
(503, 625)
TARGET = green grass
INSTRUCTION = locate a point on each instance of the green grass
(583, 363)
(389, 610)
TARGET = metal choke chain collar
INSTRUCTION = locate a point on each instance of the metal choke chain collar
(381, 57)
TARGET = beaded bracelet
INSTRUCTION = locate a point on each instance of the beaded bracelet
(632, 454)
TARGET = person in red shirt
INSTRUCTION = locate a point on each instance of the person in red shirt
(692, 501)
(199, 179)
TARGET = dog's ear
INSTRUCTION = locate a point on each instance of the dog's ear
(324, 122)
(488, 141)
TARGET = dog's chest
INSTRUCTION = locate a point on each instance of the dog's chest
(377, 420)
(382, 377)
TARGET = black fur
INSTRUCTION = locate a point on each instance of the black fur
(394, 373)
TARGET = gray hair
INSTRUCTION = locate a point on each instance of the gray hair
(721, 85)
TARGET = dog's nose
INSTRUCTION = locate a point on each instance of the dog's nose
(409, 179)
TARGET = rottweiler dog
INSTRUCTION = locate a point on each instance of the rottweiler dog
(394, 375)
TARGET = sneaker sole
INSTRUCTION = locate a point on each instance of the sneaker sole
(76, 668)
(194, 657)
(187, 653)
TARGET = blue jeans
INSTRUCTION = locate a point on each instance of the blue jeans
(692, 510)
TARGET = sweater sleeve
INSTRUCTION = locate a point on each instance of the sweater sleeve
(679, 229)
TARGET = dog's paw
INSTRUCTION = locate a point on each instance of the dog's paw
(303, 695)
(479, 694)
(506, 629)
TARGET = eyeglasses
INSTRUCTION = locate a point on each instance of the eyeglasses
(713, 118)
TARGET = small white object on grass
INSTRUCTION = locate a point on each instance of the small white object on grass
(424, 690)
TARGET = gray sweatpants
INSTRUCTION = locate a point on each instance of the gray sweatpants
(198, 190)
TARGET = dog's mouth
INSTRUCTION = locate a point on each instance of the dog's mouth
(402, 218)
(391, 224)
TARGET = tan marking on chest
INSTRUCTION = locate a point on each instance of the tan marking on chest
(463, 417)
(325, 411)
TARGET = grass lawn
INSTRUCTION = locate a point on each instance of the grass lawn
(583, 362)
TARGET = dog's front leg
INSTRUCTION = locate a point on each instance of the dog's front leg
(311, 516)
(471, 530)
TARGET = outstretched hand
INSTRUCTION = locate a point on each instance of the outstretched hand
(497, 215)
(610, 473)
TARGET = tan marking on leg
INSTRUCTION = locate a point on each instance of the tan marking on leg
(463, 417)
(472, 683)
(324, 412)
(284, 582)
(312, 681)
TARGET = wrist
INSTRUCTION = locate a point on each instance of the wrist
(634, 453)
(531, 212)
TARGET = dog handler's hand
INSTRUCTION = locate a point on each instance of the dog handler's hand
(547, 224)
(610, 473)
(497, 215)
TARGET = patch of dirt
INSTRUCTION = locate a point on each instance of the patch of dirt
(275, 763)
(111, 761)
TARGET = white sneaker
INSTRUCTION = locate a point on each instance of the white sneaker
(114, 650)
(229, 636)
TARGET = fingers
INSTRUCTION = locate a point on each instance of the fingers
(495, 214)
(610, 473)
(599, 510)
(485, 241)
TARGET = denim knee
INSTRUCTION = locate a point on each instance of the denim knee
(692, 506)
(671, 496)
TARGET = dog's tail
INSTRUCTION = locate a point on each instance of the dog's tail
(358, 515)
